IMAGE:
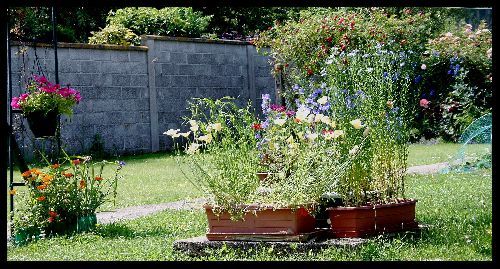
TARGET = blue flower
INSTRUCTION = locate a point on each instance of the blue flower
(418, 79)
(121, 163)
(395, 77)
(348, 102)
(258, 136)
(432, 93)
(435, 53)
(385, 74)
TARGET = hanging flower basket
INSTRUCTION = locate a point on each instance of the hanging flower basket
(41, 124)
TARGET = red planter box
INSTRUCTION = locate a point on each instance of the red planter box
(395, 217)
(371, 220)
(352, 221)
(268, 222)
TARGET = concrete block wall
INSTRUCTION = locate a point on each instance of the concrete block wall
(131, 95)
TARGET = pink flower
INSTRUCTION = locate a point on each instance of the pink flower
(278, 108)
(15, 103)
(49, 89)
(23, 96)
(41, 79)
(424, 103)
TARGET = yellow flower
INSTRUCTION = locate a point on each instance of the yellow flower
(171, 132)
(390, 104)
(311, 137)
(310, 118)
(193, 148)
(290, 140)
(318, 117)
(326, 120)
(194, 125)
(13, 192)
(217, 127)
(280, 122)
(354, 150)
(338, 133)
(356, 123)
(323, 100)
(366, 132)
(205, 138)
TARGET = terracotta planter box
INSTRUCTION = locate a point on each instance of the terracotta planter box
(371, 220)
(271, 223)
(352, 221)
(395, 217)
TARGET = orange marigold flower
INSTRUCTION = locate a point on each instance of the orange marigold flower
(53, 214)
(67, 174)
(13, 192)
(76, 162)
(41, 198)
(36, 171)
(98, 178)
(47, 178)
(83, 184)
(55, 166)
(26, 173)
(42, 187)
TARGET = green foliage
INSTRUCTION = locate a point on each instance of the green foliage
(457, 207)
(61, 193)
(74, 24)
(225, 171)
(234, 22)
(169, 21)
(370, 87)
(115, 34)
(457, 82)
(300, 48)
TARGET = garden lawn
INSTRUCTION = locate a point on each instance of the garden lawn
(420, 154)
(157, 178)
(457, 206)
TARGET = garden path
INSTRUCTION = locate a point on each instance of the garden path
(143, 210)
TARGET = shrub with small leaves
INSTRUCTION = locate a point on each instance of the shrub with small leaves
(115, 34)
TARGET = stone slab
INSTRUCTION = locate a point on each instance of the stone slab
(200, 246)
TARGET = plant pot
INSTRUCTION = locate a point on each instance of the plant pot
(259, 223)
(352, 221)
(23, 235)
(395, 217)
(42, 125)
(372, 220)
(76, 224)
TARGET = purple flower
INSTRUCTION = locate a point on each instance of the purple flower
(324, 107)
(290, 113)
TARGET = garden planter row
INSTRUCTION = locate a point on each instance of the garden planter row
(296, 224)
(371, 220)
(268, 223)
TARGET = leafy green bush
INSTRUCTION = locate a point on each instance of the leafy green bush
(301, 47)
(169, 21)
(115, 34)
(456, 81)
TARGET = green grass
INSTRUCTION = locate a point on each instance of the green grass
(157, 178)
(457, 206)
(428, 154)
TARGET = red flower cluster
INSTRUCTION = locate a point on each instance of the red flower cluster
(256, 126)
